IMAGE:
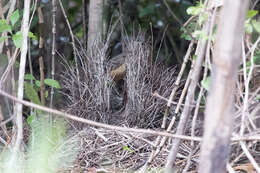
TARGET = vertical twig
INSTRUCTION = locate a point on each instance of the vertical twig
(247, 79)
(53, 51)
(24, 48)
(41, 41)
(72, 38)
(189, 100)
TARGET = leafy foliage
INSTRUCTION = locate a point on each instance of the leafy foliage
(14, 17)
(252, 24)
(206, 83)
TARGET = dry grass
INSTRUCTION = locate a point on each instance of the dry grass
(92, 94)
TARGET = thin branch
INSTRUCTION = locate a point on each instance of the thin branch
(247, 81)
(53, 51)
(24, 49)
(72, 37)
(189, 100)
(97, 124)
(249, 156)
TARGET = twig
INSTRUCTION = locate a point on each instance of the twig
(111, 127)
(41, 42)
(53, 51)
(71, 33)
(9, 67)
(97, 124)
(159, 146)
(178, 80)
(19, 106)
(247, 80)
(7, 120)
(184, 91)
(249, 156)
(189, 99)
(230, 169)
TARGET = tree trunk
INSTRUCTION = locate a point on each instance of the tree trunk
(219, 114)
(95, 25)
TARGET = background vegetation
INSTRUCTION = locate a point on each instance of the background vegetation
(115, 66)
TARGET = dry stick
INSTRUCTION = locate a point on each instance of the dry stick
(97, 124)
(155, 94)
(111, 127)
(229, 168)
(29, 43)
(196, 114)
(71, 35)
(184, 91)
(175, 87)
(166, 113)
(245, 106)
(249, 156)
(177, 82)
(189, 99)
(240, 155)
(72, 39)
(19, 106)
(9, 67)
(195, 118)
(247, 81)
(41, 42)
(34, 10)
(207, 62)
(156, 151)
(187, 83)
(54, 10)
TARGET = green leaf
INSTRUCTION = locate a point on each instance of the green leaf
(3, 38)
(46, 94)
(30, 119)
(203, 18)
(4, 26)
(31, 93)
(38, 83)
(14, 17)
(251, 13)
(195, 10)
(126, 148)
(200, 34)
(206, 83)
(29, 77)
(52, 83)
(18, 39)
(256, 25)
(31, 35)
(249, 28)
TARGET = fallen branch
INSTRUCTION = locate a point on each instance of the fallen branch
(125, 129)
(97, 124)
